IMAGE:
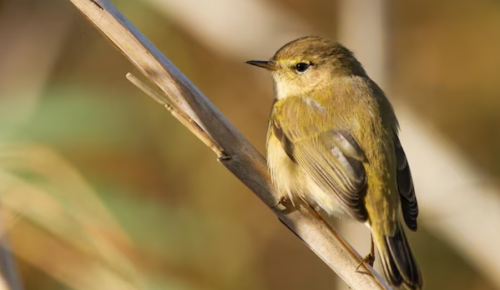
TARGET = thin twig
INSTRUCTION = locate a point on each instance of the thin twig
(180, 116)
(242, 159)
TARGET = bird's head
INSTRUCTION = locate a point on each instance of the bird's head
(309, 63)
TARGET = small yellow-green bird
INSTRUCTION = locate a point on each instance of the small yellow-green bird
(333, 142)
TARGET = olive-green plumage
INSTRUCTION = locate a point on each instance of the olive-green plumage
(332, 142)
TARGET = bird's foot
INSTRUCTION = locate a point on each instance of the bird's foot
(368, 259)
(284, 205)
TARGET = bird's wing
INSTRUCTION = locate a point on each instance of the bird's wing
(405, 185)
(333, 160)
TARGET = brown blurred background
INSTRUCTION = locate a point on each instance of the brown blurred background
(103, 189)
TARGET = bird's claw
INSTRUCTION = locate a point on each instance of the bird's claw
(283, 205)
(368, 259)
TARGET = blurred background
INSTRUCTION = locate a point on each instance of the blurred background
(100, 188)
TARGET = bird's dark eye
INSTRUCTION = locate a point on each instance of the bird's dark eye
(302, 67)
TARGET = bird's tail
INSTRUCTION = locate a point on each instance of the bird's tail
(397, 260)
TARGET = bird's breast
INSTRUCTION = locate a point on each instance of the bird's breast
(284, 172)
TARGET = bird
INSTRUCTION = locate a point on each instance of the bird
(332, 142)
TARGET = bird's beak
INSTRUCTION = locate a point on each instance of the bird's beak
(269, 65)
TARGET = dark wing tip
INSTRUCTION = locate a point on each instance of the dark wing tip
(410, 217)
(399, 264)
(406, 189)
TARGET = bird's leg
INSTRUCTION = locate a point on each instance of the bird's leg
(370, 258)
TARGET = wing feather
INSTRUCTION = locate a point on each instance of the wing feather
(406, 189)
(329, 164)
(332, 158)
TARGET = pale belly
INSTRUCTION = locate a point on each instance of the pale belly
(294, 183)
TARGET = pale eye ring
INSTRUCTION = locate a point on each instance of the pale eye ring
(302, 67)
